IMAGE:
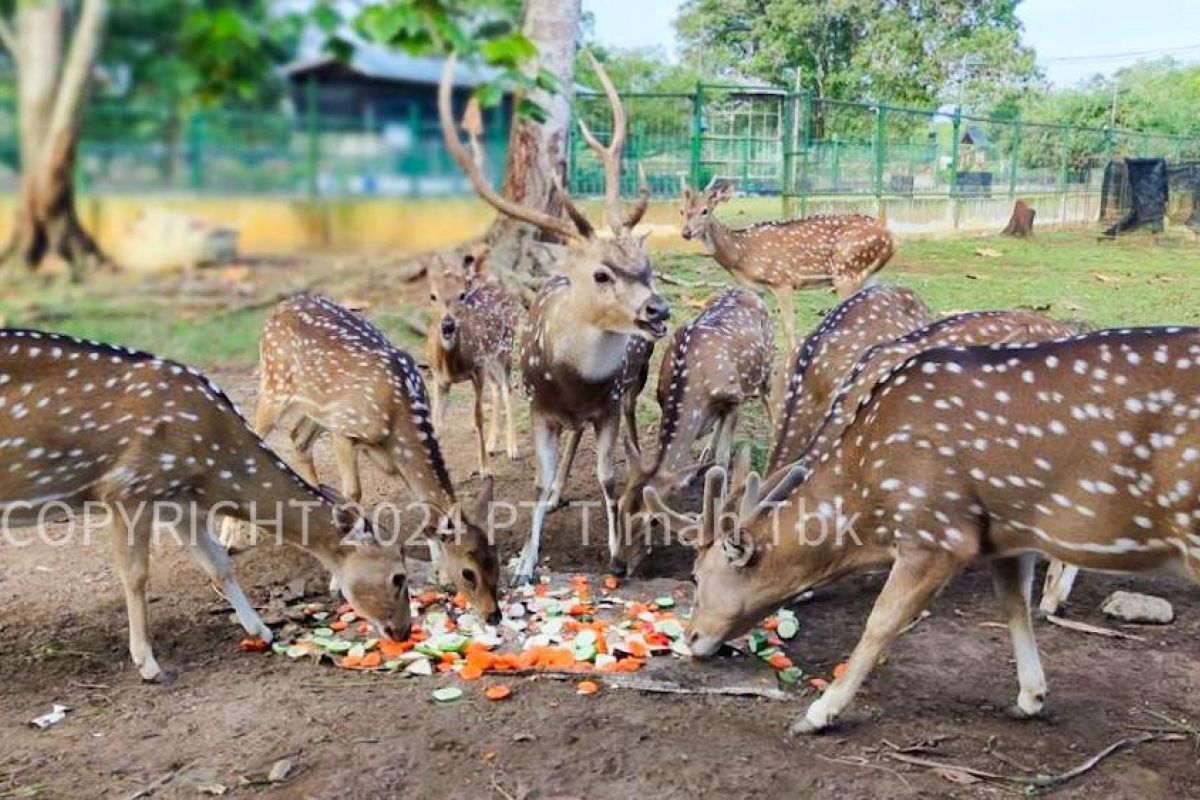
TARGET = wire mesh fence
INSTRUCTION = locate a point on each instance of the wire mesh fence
(767, 141)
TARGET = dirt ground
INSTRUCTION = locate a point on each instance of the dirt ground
(231, 715)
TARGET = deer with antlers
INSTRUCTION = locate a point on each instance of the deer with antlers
(471, 339)
(158, 444)
(843, 250)
(869, 317)
(716, 363)
(326, 368)
(577, 362)
(1084, 449)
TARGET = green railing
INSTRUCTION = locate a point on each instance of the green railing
(767, 141)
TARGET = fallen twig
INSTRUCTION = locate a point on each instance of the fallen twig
(1041, 781)
(1084, 627)
(858, 761)
(671, 279)
(158, 783)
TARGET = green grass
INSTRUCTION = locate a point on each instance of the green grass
(1137, 281)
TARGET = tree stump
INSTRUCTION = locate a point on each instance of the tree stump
(1021, 221)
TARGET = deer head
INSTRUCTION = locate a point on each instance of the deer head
(448, 287)
(611, 276)
(699, 207)
(468, 556)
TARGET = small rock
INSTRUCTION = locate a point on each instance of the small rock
(280, 771)
(213, 789)
(1133, 607)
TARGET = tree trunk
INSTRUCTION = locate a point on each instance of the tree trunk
(52, 93)
(538, 151)
(1021, 221)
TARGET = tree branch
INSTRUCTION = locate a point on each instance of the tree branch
(8, 38)
(77, 71)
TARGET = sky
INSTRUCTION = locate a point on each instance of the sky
(1060, 30)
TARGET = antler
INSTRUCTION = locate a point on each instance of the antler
(546, 222)
(638, 211)
(609, 156)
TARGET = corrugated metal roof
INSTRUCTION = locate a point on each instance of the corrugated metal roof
(372, 61)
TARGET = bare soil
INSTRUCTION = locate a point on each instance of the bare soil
(230, 715)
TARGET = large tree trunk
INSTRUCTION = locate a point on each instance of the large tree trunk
(538, 151)
(52, 94)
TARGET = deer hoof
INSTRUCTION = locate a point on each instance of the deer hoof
(802, 726)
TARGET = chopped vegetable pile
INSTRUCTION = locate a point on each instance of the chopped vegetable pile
(558, 630)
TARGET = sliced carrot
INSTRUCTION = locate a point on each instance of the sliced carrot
(253, 644)
(470, 672)
(586, 687)
(363, 628)
(426, 598)
(636, 648)
(771, 623)
(449, 658)
(497, 692)
(393, 649)
(541, 590)
(460, 600)
(338, 625)
(840, 669)
(630, 664)
(611, 582)
(444, 667)
(372, 660)
(527, 659)
(779, 661)
(480, 659)
(349, 662)
(820, 684)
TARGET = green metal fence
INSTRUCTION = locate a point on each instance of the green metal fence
(768, 141)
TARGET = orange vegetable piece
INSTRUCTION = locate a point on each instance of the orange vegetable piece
(497, 692)
(611, 582)
(460, 600)
(820, 684)
(364, 628)
(253, 644)
(636, 648)
(630, 664)
(586, 687)
(840, 669)
(541, 590)
(471, 672)
(338, 625)
(449, 658)
(444, 667)
(527, 659)
(393, 649)
(349, 662)
(771, 623)
(372, 660)
(779, 661)
(480, 659)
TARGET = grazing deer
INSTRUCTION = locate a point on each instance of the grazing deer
(1085, 449)
(716, 362)
(471, 339)
(578, 361)
(326, 368)
(843, 250)
(158, 444)
(870, 316)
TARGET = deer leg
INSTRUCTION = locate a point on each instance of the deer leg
(131, 546)
(213, 559)
(477, 385)
(510, 433)
(607, 430)
(724, 438)
(1013, 580)
(913, 582)
(493, 431)
(441, 394)
(266, 414)
(545, 444)
(1060, 578)
(303, 436)
(347, 462)
(629, 408)
(783, 298)
(559, 486)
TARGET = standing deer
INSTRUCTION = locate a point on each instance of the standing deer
(842, 250)
(716, 362)
(326, 368)
(1085, 449)
(471, 339)
(870, 316)
(577, 346)
(158, 444)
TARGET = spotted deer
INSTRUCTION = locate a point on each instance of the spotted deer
(157, 444)
(843, 250)
(470, 338)
(1084, 449)
(326, 368)
(874, 314)
(581, 354)
(716, 363)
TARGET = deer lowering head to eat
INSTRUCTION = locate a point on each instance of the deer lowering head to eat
(870, 316)
(158, 444)
(716, 362)
(326, 368)
(471, 339)
(577, 360)
(843, 250)
(1084, 449)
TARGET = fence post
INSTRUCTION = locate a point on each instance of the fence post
(806, 115)
(788, 143)
(880, 157)
(1063, 158)
(312, 163)
(955, 128)
(697, 131)
(1014, 158)
(196, 151)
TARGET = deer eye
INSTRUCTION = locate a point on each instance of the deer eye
(600, 276)
(433, 297)
(470, 577)
(704, 212)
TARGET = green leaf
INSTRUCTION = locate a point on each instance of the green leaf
(490, 95)
(327, 18)
(508, 51)
(790, 675)
(339, 48)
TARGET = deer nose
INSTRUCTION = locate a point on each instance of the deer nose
(494, 617)
(657, 309)
(398, 633)
(449, 325)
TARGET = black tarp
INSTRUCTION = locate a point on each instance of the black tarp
(1138, 186)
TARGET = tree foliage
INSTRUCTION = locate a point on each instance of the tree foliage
(914, 52)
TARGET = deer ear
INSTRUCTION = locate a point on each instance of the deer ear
(738, 549)
(720, 192)
(475, 261)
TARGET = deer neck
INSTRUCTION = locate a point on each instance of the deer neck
(723, 244)
(414, 451)
(593, 353)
